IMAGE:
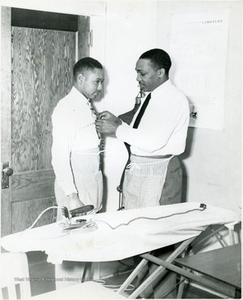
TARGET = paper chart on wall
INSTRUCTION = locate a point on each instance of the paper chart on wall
(198, 48)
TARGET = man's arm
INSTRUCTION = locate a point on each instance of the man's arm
(153, 134)
(107, 123)
(61, 161)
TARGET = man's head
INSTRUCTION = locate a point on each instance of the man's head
(152, 69)
(88, 77)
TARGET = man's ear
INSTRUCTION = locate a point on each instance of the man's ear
(161, 72)
(80, 78)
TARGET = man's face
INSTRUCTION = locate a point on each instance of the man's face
(91, 84)
(147, 77)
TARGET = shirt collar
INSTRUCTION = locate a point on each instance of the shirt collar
(162, 88)
(78, 96)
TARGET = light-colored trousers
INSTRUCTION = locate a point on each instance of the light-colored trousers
(89, 183)
(143, 181)
(87, 178)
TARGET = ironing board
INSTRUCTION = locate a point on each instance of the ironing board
(122, 234)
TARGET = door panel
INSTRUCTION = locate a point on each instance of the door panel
(42, 61)
(32, 185)
(24, 213)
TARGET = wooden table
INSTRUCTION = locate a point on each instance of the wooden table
(221, 265)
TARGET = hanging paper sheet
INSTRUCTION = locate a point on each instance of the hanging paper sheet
(198, 49)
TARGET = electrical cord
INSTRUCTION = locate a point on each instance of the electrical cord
(114, 287)
(201, 208)
(40, 215)
(65, 212)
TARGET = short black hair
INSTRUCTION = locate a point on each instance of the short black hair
(159, 58)
(84, 64)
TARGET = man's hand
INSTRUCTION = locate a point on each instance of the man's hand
(107, 123)
(74, 201)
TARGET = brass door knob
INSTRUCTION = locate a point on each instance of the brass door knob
(7, 171)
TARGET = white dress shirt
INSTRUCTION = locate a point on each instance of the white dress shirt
(163, 127)
(73, 130)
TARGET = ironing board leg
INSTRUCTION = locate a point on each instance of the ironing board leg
(183, 281)
(218, 237)
(87, 272)
(181, 287)
(132, 276)
(232, 237)
(160, 271)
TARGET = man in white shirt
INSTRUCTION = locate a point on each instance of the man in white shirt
(76, 153)
(75, 149)
(155, 133)
(158, 138)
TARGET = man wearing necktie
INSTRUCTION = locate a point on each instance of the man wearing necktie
(76, 152)
(155, 134)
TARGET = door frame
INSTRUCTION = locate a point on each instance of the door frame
(5, 112)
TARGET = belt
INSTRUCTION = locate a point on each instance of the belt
(156, 156)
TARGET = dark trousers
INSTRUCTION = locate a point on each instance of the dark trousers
(172, 189)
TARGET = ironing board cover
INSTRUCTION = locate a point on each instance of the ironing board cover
(121, 234)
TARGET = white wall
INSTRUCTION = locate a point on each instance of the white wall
(213, 157)
(130, 30)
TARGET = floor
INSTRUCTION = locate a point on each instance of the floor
(42, 276)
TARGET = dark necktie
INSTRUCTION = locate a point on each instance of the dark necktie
(142, 110)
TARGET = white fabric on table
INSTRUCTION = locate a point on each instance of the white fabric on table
(101, 243)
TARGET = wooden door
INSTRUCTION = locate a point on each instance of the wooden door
(41, 74)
